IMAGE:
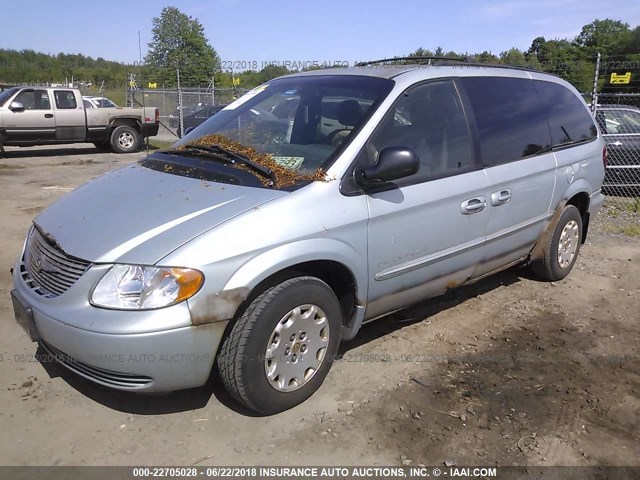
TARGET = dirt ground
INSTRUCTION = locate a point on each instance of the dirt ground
(509, 371)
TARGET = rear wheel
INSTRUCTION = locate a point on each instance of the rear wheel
(125, 139)
(281, 349)
(561, 250)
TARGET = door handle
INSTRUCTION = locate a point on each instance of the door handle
(616, 144)
(473, 205)
(48, 115)
(501, 197)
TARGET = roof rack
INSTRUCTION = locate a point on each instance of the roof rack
(445, 61)
(396, 59)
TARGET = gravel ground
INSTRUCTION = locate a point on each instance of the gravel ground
(509, 371)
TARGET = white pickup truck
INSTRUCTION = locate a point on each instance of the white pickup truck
(51, 115)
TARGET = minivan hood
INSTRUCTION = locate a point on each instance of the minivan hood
(138, 215)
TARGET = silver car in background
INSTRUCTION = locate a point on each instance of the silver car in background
(258, 250)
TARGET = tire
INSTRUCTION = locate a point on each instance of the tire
(556, 263)
(125, 139)
(249, 351)
(278, 138)
(103, 146)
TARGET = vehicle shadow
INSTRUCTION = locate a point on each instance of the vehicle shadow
(143, 404)
(48, 152)
(56, 152)
(423, 310)
(197, 398)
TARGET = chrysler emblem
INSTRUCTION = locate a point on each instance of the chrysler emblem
(43, 265)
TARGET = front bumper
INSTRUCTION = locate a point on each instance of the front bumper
(154, 361)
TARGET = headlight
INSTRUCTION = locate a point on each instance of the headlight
(135, 287)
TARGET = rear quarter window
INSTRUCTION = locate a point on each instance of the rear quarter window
(569, 119)
(511, 119)
(65, 100)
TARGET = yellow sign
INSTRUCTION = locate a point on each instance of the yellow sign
(152, 84)
(620, 78)
(236, 81)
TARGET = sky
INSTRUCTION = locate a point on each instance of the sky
(325, 31)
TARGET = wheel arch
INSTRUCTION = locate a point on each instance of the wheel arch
(335, 274)
(333, 262)
(581, 201)
(129, 121)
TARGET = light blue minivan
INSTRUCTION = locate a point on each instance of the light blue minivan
(313, 204)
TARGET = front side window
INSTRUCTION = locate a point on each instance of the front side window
(430, 120)
(511, 119)
(300, 123)
(65, 99)
(619, 122)
(5, 95)
(34, 99)
(569, 119)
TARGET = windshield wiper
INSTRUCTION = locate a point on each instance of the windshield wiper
(219, 153)
(228, 156)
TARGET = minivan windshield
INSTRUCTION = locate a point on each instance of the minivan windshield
(295, 126)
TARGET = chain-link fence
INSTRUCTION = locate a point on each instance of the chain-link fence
(618, 117)
(617, 113)
(181, 106)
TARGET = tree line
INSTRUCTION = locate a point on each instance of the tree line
(179, 42)
(573, 59)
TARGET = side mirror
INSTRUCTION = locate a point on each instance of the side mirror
(16, 107)
(393, 163)
(189, 130)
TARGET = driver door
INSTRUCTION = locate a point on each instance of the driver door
(427, 233)
(34, 124)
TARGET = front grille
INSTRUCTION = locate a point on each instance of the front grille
(98, 375)
(46, 269)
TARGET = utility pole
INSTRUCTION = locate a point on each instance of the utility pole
(180, 112)
(594, 94)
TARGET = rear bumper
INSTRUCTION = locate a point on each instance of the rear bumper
(150, 129)
(621, 176)
(595, 203)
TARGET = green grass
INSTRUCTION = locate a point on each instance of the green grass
(634, 205)
(159, 144)
(632, 231)
(629, 230)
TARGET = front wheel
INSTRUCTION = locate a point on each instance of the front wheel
(561, 250)
(281, 349)
(125, 139)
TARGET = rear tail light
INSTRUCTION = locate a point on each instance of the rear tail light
(158, 117)
(605, 156)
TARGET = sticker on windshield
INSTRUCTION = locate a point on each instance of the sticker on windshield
(246, 97)
(292, 163)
